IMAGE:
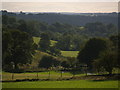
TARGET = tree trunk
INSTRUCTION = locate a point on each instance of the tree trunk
(12, 76)
(16, 66)
(37, 75)
(61, 74)
(49, 75)
(110, 72)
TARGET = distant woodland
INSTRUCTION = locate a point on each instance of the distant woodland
(95, 36)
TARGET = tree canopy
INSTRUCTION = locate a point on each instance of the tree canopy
(92, 50)
(18, 47)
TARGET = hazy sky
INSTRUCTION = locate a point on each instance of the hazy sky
(77, 7)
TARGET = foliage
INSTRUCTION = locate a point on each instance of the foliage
(71, 18)
(116, 46)
(48, 61)
(100, 29)
(69, 37)
(107, 60)
(92, 50)
(65, 64)
(65, 42)
(18, 47)
(54, 51)
(72, 62)
(44, 44)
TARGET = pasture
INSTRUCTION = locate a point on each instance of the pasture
(62, 84)
(35, 75)
(37, 39)
(69, 53)
(56, 81)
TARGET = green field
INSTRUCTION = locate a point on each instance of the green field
(64, 53)
(37, 39)
(62, 84)
(69, 53)
(41, 75)
(72, 83)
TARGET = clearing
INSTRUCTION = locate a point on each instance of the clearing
(69, 53)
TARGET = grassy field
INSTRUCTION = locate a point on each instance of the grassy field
(41, 75)
(69, 53)
(37, 39)
(64, 53)
(62, 84)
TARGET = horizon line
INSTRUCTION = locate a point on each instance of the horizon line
(55, 12)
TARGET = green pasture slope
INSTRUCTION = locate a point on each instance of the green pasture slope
(62, 84)
(69, 53)
(37, 39)
(64, 53)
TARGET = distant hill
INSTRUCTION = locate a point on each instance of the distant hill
(78, 19)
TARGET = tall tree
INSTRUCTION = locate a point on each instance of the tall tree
(107, 60)
(92, 50)
(44, 44)
(65, 42)
(23, 26)
(48, 61)
(20, 46)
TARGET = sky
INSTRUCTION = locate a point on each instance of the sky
(76, 7)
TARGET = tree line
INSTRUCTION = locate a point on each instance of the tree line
(76, 20)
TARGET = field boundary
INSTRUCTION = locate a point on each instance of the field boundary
(88, 77)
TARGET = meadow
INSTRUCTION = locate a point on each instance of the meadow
(62, 84)
(69, 53)
(37, 40)
(63, 53)
(40, 75)
(55, 81)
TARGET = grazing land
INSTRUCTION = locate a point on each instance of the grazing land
(63, 84)
(79, 81)
(37, 40)
(41, 75)
(69, 53)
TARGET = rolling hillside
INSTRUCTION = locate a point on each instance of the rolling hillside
(38, 55)
(37, 39)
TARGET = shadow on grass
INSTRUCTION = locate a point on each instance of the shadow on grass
(22, 80)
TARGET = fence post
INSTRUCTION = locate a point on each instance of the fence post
(37, 75)
(12, 76)
(61, 74)
(13, 67)
(49, 75)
